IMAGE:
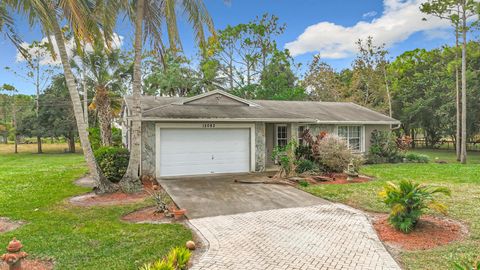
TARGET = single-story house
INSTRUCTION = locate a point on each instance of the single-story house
(217, 132)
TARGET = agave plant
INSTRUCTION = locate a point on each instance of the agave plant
(409, 200)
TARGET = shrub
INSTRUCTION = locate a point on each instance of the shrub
(303, 183)
(467, 265)
(417, 158)
(333, 155)
(383, 148)
(305, 165)
(408, 201)
(96, 141)
(113, 161)
(161, 198)
(176, 259)
(285, 156)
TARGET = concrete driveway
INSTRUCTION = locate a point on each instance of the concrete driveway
(207, 196)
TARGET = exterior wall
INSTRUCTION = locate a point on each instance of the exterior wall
(269, 143)
(260, 133)
(368, 133)
(316, 129)
(148, 148)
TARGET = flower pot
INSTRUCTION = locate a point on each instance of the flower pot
(179, 213)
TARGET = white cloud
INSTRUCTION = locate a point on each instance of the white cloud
(399, 20)
(369, 14)
(45, 56)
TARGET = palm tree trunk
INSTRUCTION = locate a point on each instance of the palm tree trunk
(103, 185)
(463, 158)
(131, 180)
(85, 98)
(102, 102)
(458, 142)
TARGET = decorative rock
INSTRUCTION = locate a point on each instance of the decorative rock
(190, 245)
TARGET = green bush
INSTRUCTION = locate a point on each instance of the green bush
(467, 265)
(286, 158)
(113, 161)
(305, 165)
(408, 201)
(303, 183)
(417, 158)
(383, 148)
(96, 141)
(176, 259)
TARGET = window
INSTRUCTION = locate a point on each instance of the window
(282, 135)
(301, 129)
(352, 136)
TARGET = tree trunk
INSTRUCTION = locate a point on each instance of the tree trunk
(389, 97)
(85, 98)
(131, 180)
(463, 157)
(39, 145)
(458, 137)
(102, 184)
(102, 102)
(71, 143)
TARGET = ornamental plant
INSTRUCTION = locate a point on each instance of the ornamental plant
(408, 201)
(113, 161)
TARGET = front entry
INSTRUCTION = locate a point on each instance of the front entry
(193, 151)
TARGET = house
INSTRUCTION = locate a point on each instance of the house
(217, 132)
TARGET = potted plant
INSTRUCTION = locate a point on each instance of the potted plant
(179, 213)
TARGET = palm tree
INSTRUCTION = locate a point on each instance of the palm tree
(78, 15)
(152, 14)
(104, 72)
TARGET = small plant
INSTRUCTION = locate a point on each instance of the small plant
(408, 201)
(176, 259)
(305, 165)
(384, 148)
(417, 158)
(303, 183)
(161, 198)
(113, 161)
(285, 156)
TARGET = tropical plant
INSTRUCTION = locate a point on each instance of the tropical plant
(467, 265)
(176, 259)
(285, 156)
(161, 198)
(113, 162)
(305, 165)
(78, 15)
(408, 201)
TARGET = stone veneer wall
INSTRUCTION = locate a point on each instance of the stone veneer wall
(260, 147)
(148, 148)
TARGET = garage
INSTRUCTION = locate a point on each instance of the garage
(197, 151)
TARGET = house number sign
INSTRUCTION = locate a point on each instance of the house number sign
(208, 125)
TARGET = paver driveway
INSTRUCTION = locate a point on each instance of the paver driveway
(317, 235)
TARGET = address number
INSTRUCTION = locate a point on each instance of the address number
(208, 125)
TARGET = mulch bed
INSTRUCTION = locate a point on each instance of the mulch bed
(339, 178)
(31, 265)
(147, 215)
(92, 199)
(429, 233)
(7, 225)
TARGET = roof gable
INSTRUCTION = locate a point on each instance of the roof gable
(217, 97)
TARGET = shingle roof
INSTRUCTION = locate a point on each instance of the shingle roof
(170, 109)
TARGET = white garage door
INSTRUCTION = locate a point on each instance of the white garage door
(204, 151)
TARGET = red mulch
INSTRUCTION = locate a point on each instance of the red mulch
(7, 225)
(337, 178)
(430, 232)
(31, 265)
(146, 215)
(118, 198)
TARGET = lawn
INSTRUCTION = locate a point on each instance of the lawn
(464, 205)
(34, 189)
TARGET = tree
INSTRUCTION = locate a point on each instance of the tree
(369, 85)
(153, 17)
(9, 89)
(322, 81)
(78, 15)
(36, 72)
(459, 13)
(104, 71)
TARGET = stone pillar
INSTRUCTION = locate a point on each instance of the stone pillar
(260, 147)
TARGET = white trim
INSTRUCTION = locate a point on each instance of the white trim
(362, 138)
(276, 132)
(223, 93)
(159, 126)
(268, 120)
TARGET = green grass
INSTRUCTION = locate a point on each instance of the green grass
(34, 189)
(464, 205)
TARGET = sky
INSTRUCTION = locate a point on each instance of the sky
(328, 27)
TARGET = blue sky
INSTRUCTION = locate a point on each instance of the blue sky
(313, 26)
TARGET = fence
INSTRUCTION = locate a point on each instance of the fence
(447, 145)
